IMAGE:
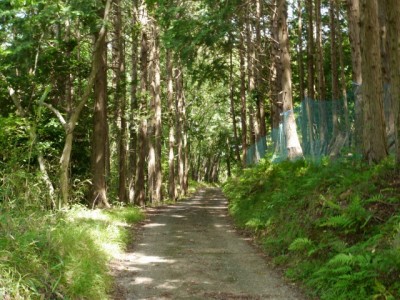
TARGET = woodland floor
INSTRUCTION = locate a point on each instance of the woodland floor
(191, 250)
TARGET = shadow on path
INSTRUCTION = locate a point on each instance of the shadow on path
(191, 251)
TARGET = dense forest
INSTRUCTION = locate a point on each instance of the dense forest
(115, 103)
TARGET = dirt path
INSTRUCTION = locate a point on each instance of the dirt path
(191, 251)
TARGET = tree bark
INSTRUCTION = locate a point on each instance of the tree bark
(120, 100)
(69, 126)
(275, 80)
(261, 114)
(171, 110)
(383, 13)
(353, 12)
(394, 53)
(232, 103)
(179, 130)
(99, 142)
(310, 51)
(300, 49)
(243, 98)
(346, 128)
(156, 122)
(321, 82)
(334, 70)
(292, 140)
(374, 134)
(140, 187)
(251, 83)
(133, 106)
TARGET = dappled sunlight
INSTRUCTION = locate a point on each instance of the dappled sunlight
(143, 259)
(190, 251)
(169, 284)
(221, 225)
(177, 216)
(143, 280)
(153, 225)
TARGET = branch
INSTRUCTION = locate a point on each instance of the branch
(14, 97)
(57, 113)
(75, 115)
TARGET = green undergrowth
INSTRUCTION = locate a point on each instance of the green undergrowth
(335, 226)
(61, 255)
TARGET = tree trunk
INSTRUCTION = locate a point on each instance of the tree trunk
(292, 140)
(374, 137)
(134, 106)
(321, 82)
(300, 49)
(64, 170)
(346, 128)
(172, 112)
(243, 98)
(140, 188)
(334, 70)
(69, 126)
(251, 83)
(185, 143)
(275, 81)
(158, 124)
(154, 138)
(353, 12)
(258, 70)
(232, 102)
(120, 100)
(186, 153)
(394, 53)
(99, 185)
(383, 13)
(310, 51)
(179, 130)
(321, 85)
(307, 137)
(228, 158)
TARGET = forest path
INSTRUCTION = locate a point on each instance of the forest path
(191, 251)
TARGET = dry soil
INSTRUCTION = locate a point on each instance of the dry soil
(192, 251)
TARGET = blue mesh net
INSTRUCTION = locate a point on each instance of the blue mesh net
(325, 128)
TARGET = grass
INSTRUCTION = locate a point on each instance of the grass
(61, 255)
(335, 226)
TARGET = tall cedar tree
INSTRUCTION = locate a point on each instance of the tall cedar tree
(374, 134)
(292, 141)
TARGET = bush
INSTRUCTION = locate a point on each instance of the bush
(333, 225)
(60, 255)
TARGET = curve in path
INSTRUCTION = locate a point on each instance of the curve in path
(191, 251)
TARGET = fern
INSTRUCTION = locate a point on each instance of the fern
(340, 221)
(342, 259)
(301, 244)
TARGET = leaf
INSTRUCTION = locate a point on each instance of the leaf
(340, 221)
(341, 259)
(301, 244)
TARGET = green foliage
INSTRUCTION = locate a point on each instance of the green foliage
(333, 225)
(60, 255)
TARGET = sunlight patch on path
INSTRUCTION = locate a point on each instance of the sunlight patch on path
(192, 251)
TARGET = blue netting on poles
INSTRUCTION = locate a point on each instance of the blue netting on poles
(325, 128)
(256, 151)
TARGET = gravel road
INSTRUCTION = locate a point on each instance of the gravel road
(191, 251)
